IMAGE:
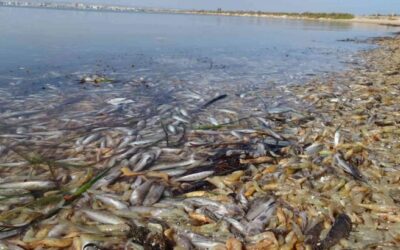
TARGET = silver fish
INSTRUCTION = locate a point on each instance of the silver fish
(154, 194)
(29, 185)
(146, 159)
(138, 195)
(195, 176)
(111, 201)
(103, 217)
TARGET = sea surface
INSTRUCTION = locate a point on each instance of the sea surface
(40, 47)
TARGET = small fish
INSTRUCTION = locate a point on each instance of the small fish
(258, 224)
(144, 142)
(172, 129)
(228, 111)
(184, 112)
(178, 118)
(126, 141)
(202, 242)
(154, 194)
(195, 176)
(314, 148)
(236, 224)
(164, 166)
(91, 139)
(216, 207)
(213, 121)
(119, 101)
(29, 185)
(258, 206)
(19, 113)
(109, 178)
(280, 110)
(103, 217)
(146, 159)
(139, 194)
(17, 200)
(348, 168)
(116, 229)
(111, 201)
(127, 154)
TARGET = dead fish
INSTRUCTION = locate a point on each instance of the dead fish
(242, 198)
(139, 194)
(17, 200)
(111, 176)
(213, 121)
(280, 110)
(146, 159)
(195, 176)
(103, 217)
(116, 229)
(29, 185)
(126, 141)
(144, 142)
(184, 112)
(348, 168)
(228, 111)
(164, 166)
(217, 208)
(174, 172)
(141, 125)
(336, 139)
(258, 206)
(341, 229)
(91, 139)
(19, 113)
(258, 224)
(13, 164)
(154, 194)
(236, 224)
(111, 201)
(314, 148)
(172, 129)
(126, 154)
(202, 242)
(178, 118)
(14, 191)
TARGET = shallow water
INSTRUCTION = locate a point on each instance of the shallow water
(41, 47)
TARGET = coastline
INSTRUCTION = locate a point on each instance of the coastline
(389, 21)
(330, 17)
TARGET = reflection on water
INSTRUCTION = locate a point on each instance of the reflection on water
(43, 46)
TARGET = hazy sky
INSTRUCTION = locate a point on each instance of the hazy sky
(353, 6)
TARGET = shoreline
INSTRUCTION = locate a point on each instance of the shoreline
(357, 19)
(348, 18)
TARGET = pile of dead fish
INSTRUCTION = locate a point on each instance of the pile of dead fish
(207, 170)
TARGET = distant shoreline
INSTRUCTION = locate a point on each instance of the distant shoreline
(337, 17)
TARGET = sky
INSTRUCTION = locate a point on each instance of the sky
(351, 6)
